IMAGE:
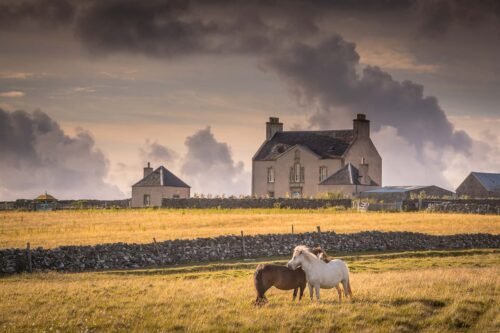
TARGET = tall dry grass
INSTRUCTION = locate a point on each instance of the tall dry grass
(51, 229)
(454, 296)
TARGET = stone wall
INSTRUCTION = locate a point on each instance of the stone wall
(468, 206)
(125, 256)
(255, 203)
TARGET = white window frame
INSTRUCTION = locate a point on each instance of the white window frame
(323, 173)
(270, 175)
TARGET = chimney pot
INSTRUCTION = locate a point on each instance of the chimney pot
(148, 170)
(273, 126)
(361, 126)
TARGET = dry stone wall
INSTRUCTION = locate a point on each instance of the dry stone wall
(130, 256)
(255, 203)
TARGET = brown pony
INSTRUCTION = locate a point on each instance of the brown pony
(281, 277)
(320, 253)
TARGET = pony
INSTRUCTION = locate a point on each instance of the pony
(320, 253)
(281, 277)
(320, 274)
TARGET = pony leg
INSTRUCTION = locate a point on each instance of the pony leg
(317, 291)
(339, 291)
(310, 291)
(301, 292)
(295, 294)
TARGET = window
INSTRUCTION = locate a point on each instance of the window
(323, 171)
(270, 175)
(270, 194)
(297, 174)
(176, 196)
(147, 200)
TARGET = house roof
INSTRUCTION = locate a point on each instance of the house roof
(490, 181)
(326, 144)
(348, 175)
(161, 177)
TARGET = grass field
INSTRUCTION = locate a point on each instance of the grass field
(436, 291)
(51, 229)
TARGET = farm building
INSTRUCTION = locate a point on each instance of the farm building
(45, 202)
(156, 185)
(308, 163)
(480, 185)
(399, 193)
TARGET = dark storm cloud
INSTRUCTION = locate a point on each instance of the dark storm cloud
(437, 17)
(46, 13)
(208, 165)
(296, 40)
(325, 75)
(324, 72)
(37, 155)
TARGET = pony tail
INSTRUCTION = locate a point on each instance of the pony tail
(259, 286)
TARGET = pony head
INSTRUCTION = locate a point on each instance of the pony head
(299, 255)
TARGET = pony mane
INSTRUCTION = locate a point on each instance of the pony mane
(306, 251)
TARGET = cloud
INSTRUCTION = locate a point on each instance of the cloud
(37, 156)
(12, 94)
(42, 13)
(325, 76)
(158, 154)
(16, 75)
(296, 41)
(209, 167)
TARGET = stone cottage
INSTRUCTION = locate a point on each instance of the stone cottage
(156, 185)
(480, 185)
(308, 163)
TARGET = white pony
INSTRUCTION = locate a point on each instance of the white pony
(320, 274)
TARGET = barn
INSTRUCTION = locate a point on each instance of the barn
(480, 185)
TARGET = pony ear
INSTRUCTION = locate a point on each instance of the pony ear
(300, 252)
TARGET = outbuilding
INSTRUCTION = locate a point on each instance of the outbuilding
(400, 193)
(480, 185)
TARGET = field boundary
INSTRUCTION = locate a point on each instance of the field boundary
(125, 256)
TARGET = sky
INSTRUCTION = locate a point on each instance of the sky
(92, 90)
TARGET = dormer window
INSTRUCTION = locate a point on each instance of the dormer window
(270, 175)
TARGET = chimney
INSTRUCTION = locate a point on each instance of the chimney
(361, 127)
(148, 170)
(273, 126)
(363, 172)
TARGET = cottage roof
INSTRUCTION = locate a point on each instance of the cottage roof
(490, 181)
(45, 197)
(348, 175)
(161, 177)
(326, 144)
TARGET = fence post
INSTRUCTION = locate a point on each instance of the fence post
(243, 250)
(28, 257)
(319, 235)
(292, 229)
(157, 250)
(319, 229)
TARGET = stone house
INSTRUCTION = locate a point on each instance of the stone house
(308, 163)
(156, 185)
(480, 185)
